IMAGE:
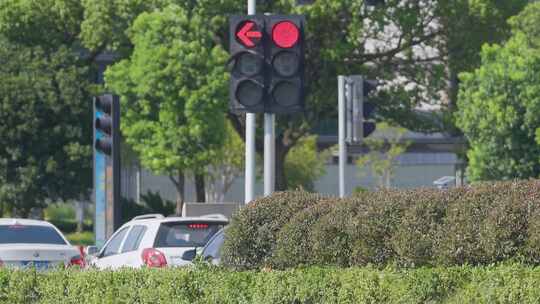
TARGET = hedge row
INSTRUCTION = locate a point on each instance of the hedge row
(502, 284)
(479, 225)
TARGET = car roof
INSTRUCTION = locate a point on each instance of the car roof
(19, 221)
(158, 219)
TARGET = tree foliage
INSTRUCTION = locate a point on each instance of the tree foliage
(383, 153)
(172, 90)
(500, 102)
(304, 165)
(226, 166)
(45, 132)
(45, 104)
(416, 48)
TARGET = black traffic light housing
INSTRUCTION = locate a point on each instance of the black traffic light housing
(267, 63)
(107, 147)
(107, 124)
(286, 59)
(359, 110)
(368, 107)
(247, 84)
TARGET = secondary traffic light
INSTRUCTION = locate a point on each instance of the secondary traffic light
(247, 85)
(107, 123)
(286, 57)
(359, 110)
(267, 56)
(368, 107)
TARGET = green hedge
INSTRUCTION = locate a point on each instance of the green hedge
(479, 225)
(512, 283)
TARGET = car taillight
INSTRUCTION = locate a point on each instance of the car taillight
(77, 260)
(153, 258)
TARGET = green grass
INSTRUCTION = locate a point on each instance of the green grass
(81, 238)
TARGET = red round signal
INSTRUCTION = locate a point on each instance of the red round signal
(285, 34)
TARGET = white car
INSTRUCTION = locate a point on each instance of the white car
(33, 243)
(155, 241)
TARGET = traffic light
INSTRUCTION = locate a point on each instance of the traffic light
(107, 124)
(267, 56)
(368, 107)
(247, 84)
(286, 58)
(107, 164)
(359, 109)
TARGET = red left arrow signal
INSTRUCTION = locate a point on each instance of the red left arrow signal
(247, 35)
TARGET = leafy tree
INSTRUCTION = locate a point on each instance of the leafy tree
(304, 164)
(172, 90)
(383, 153)
(45, 135)
(45, 132)
(226, 166)
(466, 26)
(415, 48)
(499, 104)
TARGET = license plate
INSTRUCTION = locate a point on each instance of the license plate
(36, 264)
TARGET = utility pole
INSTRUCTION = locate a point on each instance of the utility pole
(249, 193)
(341, 135)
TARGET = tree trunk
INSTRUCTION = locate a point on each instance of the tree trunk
(79, 213)
(281, 177)
(199, 188)
(179, 185)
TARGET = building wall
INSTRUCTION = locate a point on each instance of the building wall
(412, 170)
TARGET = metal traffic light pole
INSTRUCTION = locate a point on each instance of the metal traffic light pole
(249, 194)
(269, 153)
(341, 135)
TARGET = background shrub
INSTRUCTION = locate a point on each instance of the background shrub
(478, 225)
(252, 234)
(294, 242)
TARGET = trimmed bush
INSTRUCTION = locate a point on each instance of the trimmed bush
(295, 243)
(512, 283)
(252, 234)
(479, 225)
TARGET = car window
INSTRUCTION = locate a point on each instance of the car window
(114, 244)
(184, 234)
(134, 238)
(213, 248)
(30, 234)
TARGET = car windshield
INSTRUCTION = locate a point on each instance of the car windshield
(183, 234)
(29, 234)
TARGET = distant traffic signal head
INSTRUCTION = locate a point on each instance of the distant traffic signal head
(368, 107)
(106, 123)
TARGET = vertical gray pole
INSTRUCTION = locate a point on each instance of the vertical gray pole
(341, 135)
(269, 154)
(249, 194)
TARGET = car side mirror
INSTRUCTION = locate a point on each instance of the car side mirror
(189, 255)
(91, 250)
